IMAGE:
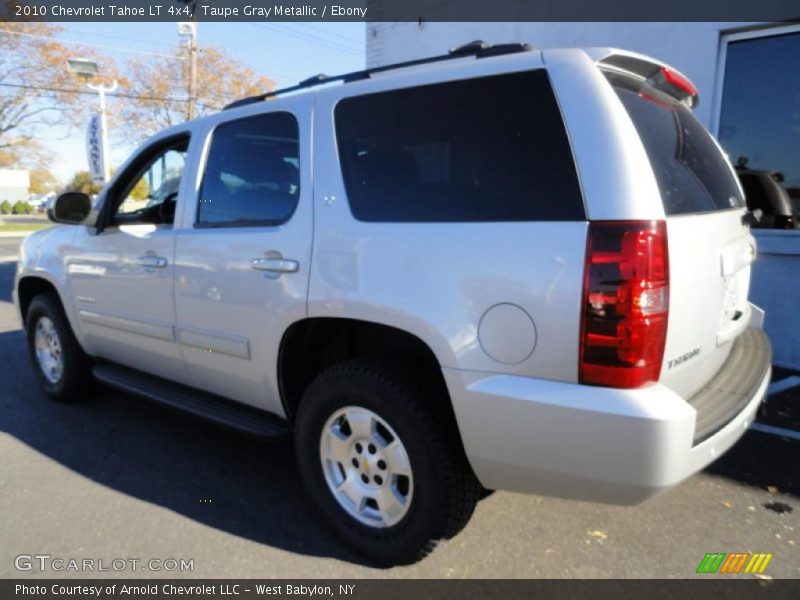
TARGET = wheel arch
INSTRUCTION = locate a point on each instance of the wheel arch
(311, 345)
(30, 286)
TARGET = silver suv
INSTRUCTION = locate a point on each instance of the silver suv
(501, 268)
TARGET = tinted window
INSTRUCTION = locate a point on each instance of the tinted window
(489, 149)
(252, 174)
(692, 174)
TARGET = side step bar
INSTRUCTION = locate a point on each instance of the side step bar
(201, 404)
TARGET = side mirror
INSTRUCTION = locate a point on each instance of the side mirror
(70, 207)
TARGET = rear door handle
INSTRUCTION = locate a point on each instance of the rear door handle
(276, 265)
(153, 262)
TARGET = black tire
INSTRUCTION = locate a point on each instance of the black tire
(445, 490)
(76, 376)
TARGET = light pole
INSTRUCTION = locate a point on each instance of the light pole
(87, 69)
(189, 29)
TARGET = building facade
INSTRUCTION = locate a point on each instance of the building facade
(14, 185)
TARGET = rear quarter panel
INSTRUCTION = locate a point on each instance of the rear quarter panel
(437, 280)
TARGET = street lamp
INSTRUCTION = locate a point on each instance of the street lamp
(98, 140)
(83, 66)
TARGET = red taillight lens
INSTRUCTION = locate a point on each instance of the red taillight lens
(625, 303)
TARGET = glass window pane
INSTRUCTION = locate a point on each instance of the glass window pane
(151, 194)
(487, 149)
(252, 175)
(759, 125)
(692, 174)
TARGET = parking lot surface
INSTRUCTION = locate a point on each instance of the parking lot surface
(118, 477)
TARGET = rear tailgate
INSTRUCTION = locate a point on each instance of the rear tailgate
(710, 256)
(710, 247)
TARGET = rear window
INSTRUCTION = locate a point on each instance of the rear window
(487, 149)
(692, 174)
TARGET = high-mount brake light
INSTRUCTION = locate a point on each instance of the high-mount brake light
(678, 81)
(625, 303)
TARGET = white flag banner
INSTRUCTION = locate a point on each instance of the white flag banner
(94, 148)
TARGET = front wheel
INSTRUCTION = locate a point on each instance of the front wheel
(382, 460)
(60, 365)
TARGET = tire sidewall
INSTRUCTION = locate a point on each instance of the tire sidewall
(64, 388)
(402, 541)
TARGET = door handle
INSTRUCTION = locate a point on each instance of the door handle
(153, 262)
(276, 265)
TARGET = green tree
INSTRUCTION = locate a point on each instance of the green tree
(43, 181)
(21, 208)
(5, 208)
(82, 182)
(141, 190)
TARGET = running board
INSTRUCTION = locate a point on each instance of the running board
(201, 404)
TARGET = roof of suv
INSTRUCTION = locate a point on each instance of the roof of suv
(609, 57)
(476, 49)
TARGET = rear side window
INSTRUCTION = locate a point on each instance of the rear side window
(488, 149)
(252, 174)
(692, 174)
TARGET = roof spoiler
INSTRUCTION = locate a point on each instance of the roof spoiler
(657, 74)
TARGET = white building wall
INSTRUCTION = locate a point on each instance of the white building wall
(692, 48)
(14, 184)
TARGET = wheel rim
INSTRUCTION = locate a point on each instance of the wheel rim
(48, 350)
(366, 467)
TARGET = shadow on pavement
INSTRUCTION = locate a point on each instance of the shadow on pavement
(764, 460)
(179, 463)
(167, 458)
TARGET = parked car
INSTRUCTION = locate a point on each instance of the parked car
(763, 192)
(507, 269)
(39, 202)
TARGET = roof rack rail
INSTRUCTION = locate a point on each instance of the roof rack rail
(478, 49)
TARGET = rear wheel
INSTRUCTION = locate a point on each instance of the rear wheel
(61, 367)
(382, 461)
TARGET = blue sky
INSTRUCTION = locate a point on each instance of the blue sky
(285, 52)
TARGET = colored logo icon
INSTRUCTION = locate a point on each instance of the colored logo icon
(736, 562)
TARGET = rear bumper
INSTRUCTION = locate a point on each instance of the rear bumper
(600, 444)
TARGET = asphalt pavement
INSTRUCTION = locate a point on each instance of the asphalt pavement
(116, 477)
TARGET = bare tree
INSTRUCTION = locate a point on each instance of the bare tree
(157, 87)
(38, 93)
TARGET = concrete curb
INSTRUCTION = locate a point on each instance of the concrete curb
(15, 234)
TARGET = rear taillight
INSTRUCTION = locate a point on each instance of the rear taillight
(625, 303)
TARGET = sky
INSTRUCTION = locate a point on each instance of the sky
(284, 52)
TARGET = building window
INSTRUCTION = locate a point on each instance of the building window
(759, 111)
